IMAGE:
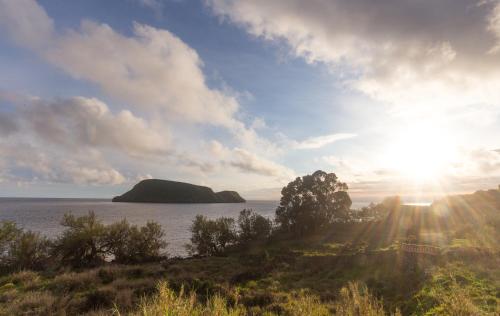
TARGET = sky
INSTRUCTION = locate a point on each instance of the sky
(394, 96)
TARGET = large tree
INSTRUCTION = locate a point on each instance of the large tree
(313, 201)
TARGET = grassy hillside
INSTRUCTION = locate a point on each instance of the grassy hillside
(329, 272)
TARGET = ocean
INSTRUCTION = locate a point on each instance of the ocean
(44, 215)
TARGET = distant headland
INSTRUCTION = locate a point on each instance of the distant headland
(165, 191)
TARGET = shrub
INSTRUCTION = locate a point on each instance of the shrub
(87, 242)
(146, 243)
(30, 251)
(211, 237)
(81, 244)
(21, 250)
(311, 202)
(131, 244)
(252, 226)
(8, 233)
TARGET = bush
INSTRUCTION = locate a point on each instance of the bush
(20, 250)
(87, 242)
(146, 243)
(131, 244)
(311, 202)
(253, 226)
(81, 244)
(211, 237)
(30, 251)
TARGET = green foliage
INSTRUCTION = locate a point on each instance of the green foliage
(81, 244)
(211, 237)
(87, 242)
(455, 290)
(30, 251)
(22, 249)
(253, 226)
(131, 244)
(311, 202)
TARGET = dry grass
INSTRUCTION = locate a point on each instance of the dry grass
(355, 300)
(167, 302)
(31, 303)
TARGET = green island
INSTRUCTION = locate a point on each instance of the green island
(166, 191)
(317, 256)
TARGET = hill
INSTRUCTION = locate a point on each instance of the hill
(165, 191)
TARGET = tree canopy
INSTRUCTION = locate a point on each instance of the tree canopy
(312, 201)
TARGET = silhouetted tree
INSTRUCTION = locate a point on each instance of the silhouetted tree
(380, 210)
(252, 226)
(313, 201)
(81, 243)
(211, 237)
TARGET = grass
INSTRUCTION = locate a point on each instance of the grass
(353, 269)
(271, 280)
(353, 300)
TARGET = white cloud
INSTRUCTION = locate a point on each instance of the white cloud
(151, 70)
(80, 121)
(248, 162)
(26, 23)
(154, 69)
(423, 53)
(321, 141)
(23, 162)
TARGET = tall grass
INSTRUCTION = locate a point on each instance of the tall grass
(354, 300)
(168, 303)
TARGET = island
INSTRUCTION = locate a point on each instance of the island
(166, 191)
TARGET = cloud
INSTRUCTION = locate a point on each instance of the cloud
(154, 68)
(8, 124)
(321, 141)
(23, 162)
(87, 122)
(150, 70)
(248, 162)
(66, 140)
(477, 162)
(26, 23)
(403, 52)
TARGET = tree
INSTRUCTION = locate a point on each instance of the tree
(313, 201)
(211, 237)
(29, 251)
(82, 243)
(252, 226)
(22, 250)
(380, 210)
(146, 243)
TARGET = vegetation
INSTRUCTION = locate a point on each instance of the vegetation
(85, 242)
(211, 237)
(312, 202)
(351, 265)
(253, 227)
(165, 191)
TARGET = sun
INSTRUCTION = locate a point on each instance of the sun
(421, 152)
